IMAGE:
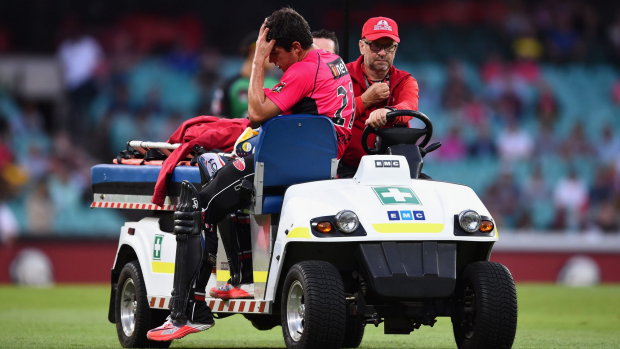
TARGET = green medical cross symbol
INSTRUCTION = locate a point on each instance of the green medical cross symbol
(157, 247)
(396, 196)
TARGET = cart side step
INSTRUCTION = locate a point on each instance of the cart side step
(133, 206)
(237, 306)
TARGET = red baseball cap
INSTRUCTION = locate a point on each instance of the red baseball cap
(380, 27)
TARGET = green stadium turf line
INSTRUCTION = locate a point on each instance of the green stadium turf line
(75, 316)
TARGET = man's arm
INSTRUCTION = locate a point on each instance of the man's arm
(260, 108)
(376, 93)
(407, 100)
(359, 106)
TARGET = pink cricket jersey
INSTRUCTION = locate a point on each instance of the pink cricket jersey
(320, 85)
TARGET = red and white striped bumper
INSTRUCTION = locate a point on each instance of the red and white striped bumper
(131, 206)
(159, 302)
(241, 306)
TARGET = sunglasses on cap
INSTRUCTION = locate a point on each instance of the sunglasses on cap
(374, 47)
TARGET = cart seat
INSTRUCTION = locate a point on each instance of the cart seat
(292, 149)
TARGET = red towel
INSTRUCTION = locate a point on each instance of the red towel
(209, 132)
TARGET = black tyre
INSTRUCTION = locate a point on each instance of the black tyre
(313, 306)
(134, 317)
(354, 332)
(485, 315)
(263, 322)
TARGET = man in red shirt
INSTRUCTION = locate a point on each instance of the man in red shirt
(378, 87)
(314, 82)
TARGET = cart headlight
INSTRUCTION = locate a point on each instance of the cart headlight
(347, 221)
(469, 221)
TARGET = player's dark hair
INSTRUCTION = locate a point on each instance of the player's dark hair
(326, 34)
(287, 26)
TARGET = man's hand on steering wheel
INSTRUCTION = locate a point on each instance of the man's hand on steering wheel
(387, 137)
(377, 118)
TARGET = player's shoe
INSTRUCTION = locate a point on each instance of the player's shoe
(169, 331)
(229, 291)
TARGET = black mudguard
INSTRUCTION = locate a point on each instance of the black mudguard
(408, 270)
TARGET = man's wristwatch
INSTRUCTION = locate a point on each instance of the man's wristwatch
(391, 109)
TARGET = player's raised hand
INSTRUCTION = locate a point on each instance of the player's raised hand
(263, 47)
(376, 93)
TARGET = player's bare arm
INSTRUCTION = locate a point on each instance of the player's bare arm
(260, 108)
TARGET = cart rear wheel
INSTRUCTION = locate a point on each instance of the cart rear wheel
(313, 306)
(485, 314)
(134, 317)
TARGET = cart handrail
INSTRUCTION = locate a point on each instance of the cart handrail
(153, 145)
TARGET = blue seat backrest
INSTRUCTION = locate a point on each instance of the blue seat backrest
(129, 173)
(296, 149)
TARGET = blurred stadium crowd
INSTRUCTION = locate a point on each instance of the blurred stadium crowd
(524, 96)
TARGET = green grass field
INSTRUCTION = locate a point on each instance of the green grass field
(76, 317)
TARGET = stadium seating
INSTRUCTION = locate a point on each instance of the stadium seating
(583, 93)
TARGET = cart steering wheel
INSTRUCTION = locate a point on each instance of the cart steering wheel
(387, 137)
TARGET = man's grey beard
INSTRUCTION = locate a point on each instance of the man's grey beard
(376, 67)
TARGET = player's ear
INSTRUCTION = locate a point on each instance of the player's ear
(296, 47)
(361, 43)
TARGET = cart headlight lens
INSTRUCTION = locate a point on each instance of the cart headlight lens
(347, 221)
(469, 221)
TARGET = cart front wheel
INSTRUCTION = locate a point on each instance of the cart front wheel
(313, 306)
(354, 332)
(485, 314)
(134, 317)
(263, 322)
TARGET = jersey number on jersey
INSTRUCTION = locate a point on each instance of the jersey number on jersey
(338, 119)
